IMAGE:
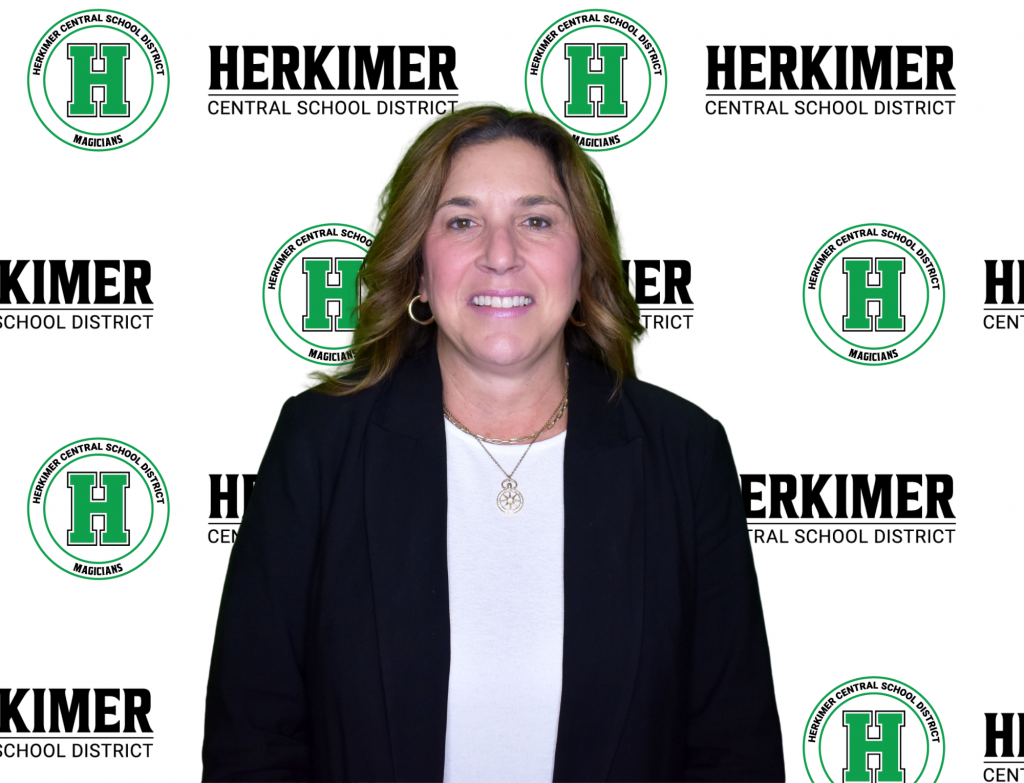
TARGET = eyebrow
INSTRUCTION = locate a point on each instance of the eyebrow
(534, 201)
(524, 201)
(458, 201)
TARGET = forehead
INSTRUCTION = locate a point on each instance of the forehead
(511, 166)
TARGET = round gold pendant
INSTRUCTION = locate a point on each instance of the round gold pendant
(510, 499)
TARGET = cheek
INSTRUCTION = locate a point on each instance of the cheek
(433, 263)
(440, 268)
(428, 254)
(572, 270)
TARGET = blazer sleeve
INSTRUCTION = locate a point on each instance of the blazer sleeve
(734, 730)
(256, 712)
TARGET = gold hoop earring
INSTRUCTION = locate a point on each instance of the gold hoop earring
(573, 320)
(413, 317)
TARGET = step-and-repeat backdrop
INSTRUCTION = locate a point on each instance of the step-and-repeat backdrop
(820, 208)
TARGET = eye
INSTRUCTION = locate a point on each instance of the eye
(460, 223)
(537, 222)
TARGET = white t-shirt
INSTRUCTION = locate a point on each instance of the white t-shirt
(505, 597)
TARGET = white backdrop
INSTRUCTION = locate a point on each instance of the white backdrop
(747, 200)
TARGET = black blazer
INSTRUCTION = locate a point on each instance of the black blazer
(332, 648)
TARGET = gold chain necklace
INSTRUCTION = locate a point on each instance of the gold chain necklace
(510, 499)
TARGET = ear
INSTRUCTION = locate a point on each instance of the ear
(423, 287)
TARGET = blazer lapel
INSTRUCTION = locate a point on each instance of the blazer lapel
(604, 510)
(406, 519)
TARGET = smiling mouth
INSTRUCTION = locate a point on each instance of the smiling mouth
(502, 301)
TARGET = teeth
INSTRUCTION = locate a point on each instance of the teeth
(502, 301)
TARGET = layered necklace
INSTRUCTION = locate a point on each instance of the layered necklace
(510, 499)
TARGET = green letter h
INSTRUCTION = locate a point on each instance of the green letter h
(111, 78)
(886, 293)
(609, 79)
(319, 292)
(858, 746)
(83, 508)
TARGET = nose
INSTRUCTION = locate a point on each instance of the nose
(501, 251)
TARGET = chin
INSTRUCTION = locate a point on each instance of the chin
(505, 350)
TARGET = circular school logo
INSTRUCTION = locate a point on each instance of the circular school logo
(874, 294)
(600, 74)
(98, 508)
(311, 291)
(98, 80)
(874, 730)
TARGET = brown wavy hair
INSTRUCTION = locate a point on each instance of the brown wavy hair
(390, 273)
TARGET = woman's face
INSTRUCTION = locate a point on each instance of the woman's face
(501, 258)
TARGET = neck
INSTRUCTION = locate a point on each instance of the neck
(504, 402)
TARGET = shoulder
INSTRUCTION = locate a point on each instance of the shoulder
(316, 405)
(318, 420)
(659, 408)
(676, 432)
(665, 421)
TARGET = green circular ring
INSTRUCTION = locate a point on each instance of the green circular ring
(167, 68)
(664, 67)
(167, 494)
(876, 364)
(267, 274)
(871, 677)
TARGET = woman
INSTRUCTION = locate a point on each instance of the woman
(412, 597)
